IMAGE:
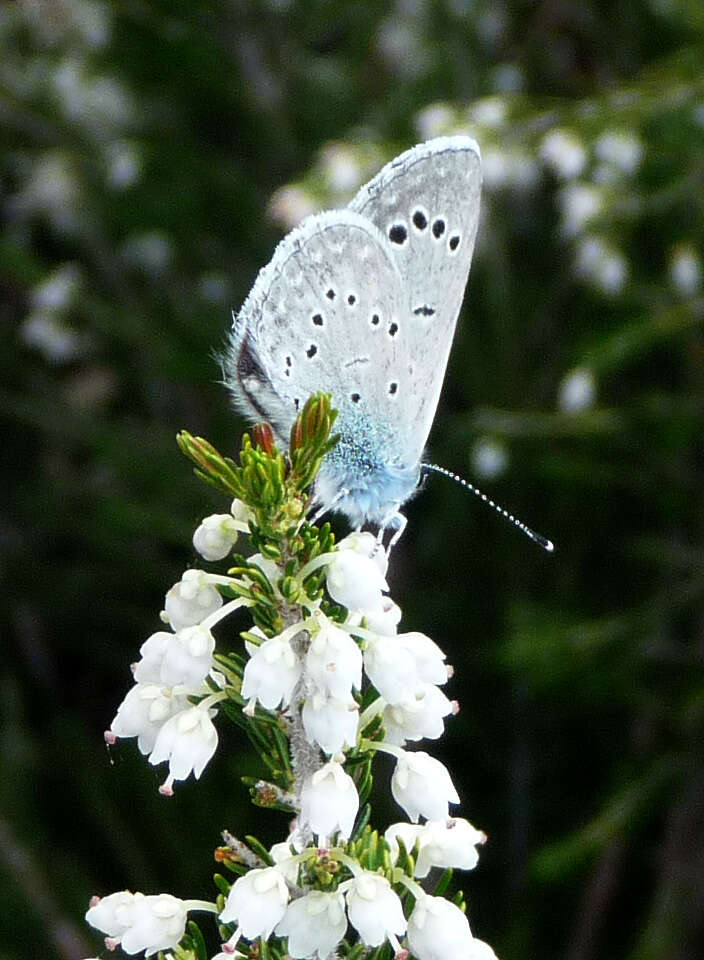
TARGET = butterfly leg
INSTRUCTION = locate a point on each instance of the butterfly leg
(396, 521)
(327, 507)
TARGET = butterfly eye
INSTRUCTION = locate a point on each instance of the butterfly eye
(330, 294)
(318, 319)
(351, 299)
(454, 242)
(311, 351)
(393, 387)
(375, 320)
(420, 221)
(393, 329)
(355, 398)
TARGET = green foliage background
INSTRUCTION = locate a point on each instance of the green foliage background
(142, 143)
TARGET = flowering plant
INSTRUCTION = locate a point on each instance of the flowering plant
(322, 682)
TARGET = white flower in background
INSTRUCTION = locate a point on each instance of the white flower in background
(437, 929)
(149, 923)
(374, 909)
(271, 673)
(490, 112)
(686, 270)
(53, 337)
(418, 718)
(98, 103)
(124, 164)
(620, 150)
(215, 536)
(489, 458)
(184, 658)
(191, 600)
(289, 205)
(435, 121)
(52, 189)
(314, 924)
(143, 713)
(334, 661)
(329, 801)
(579, 203)
(422, 786)
(495, 170)
(59, 290)
(188, 741)
(355, 581)
(508, 168)
(601, 264)
(400, 665)
(577, 390)
(564, 153)
(385, 620)
(340, 167)
(448, 843)
(330, 722)
(257, 902)
(150, 250)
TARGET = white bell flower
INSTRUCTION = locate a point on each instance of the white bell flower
(285, 862)
(267, 567)
(366, 545)
(437, 929)
(181, 659)
(355, 581)
(149, 923)
(329, 801)
(374, 909)
(143, 713)
(408, 833)
(271, 673)
(113, 914)
(334, 661)
(191, 600)
(386, 620)
(331, 722)
(417, 718)
(187, 740)
(400, 665)
(314, 924)
(215, 537)
(422, 786)
(448, 843)
(257, 902)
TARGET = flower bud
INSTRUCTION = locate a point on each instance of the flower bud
(215, 537)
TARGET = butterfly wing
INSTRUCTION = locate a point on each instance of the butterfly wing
(329, 313)
(425, 203)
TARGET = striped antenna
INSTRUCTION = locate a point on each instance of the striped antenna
(535, 537)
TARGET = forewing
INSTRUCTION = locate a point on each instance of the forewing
(328, 313)
(425, 203)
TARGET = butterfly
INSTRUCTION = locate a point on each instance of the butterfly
(362, 303)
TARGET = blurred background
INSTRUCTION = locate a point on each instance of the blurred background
(152, 155)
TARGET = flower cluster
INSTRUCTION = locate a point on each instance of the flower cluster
(327, 659)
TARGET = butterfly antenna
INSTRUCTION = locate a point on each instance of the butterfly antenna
(546, 544)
